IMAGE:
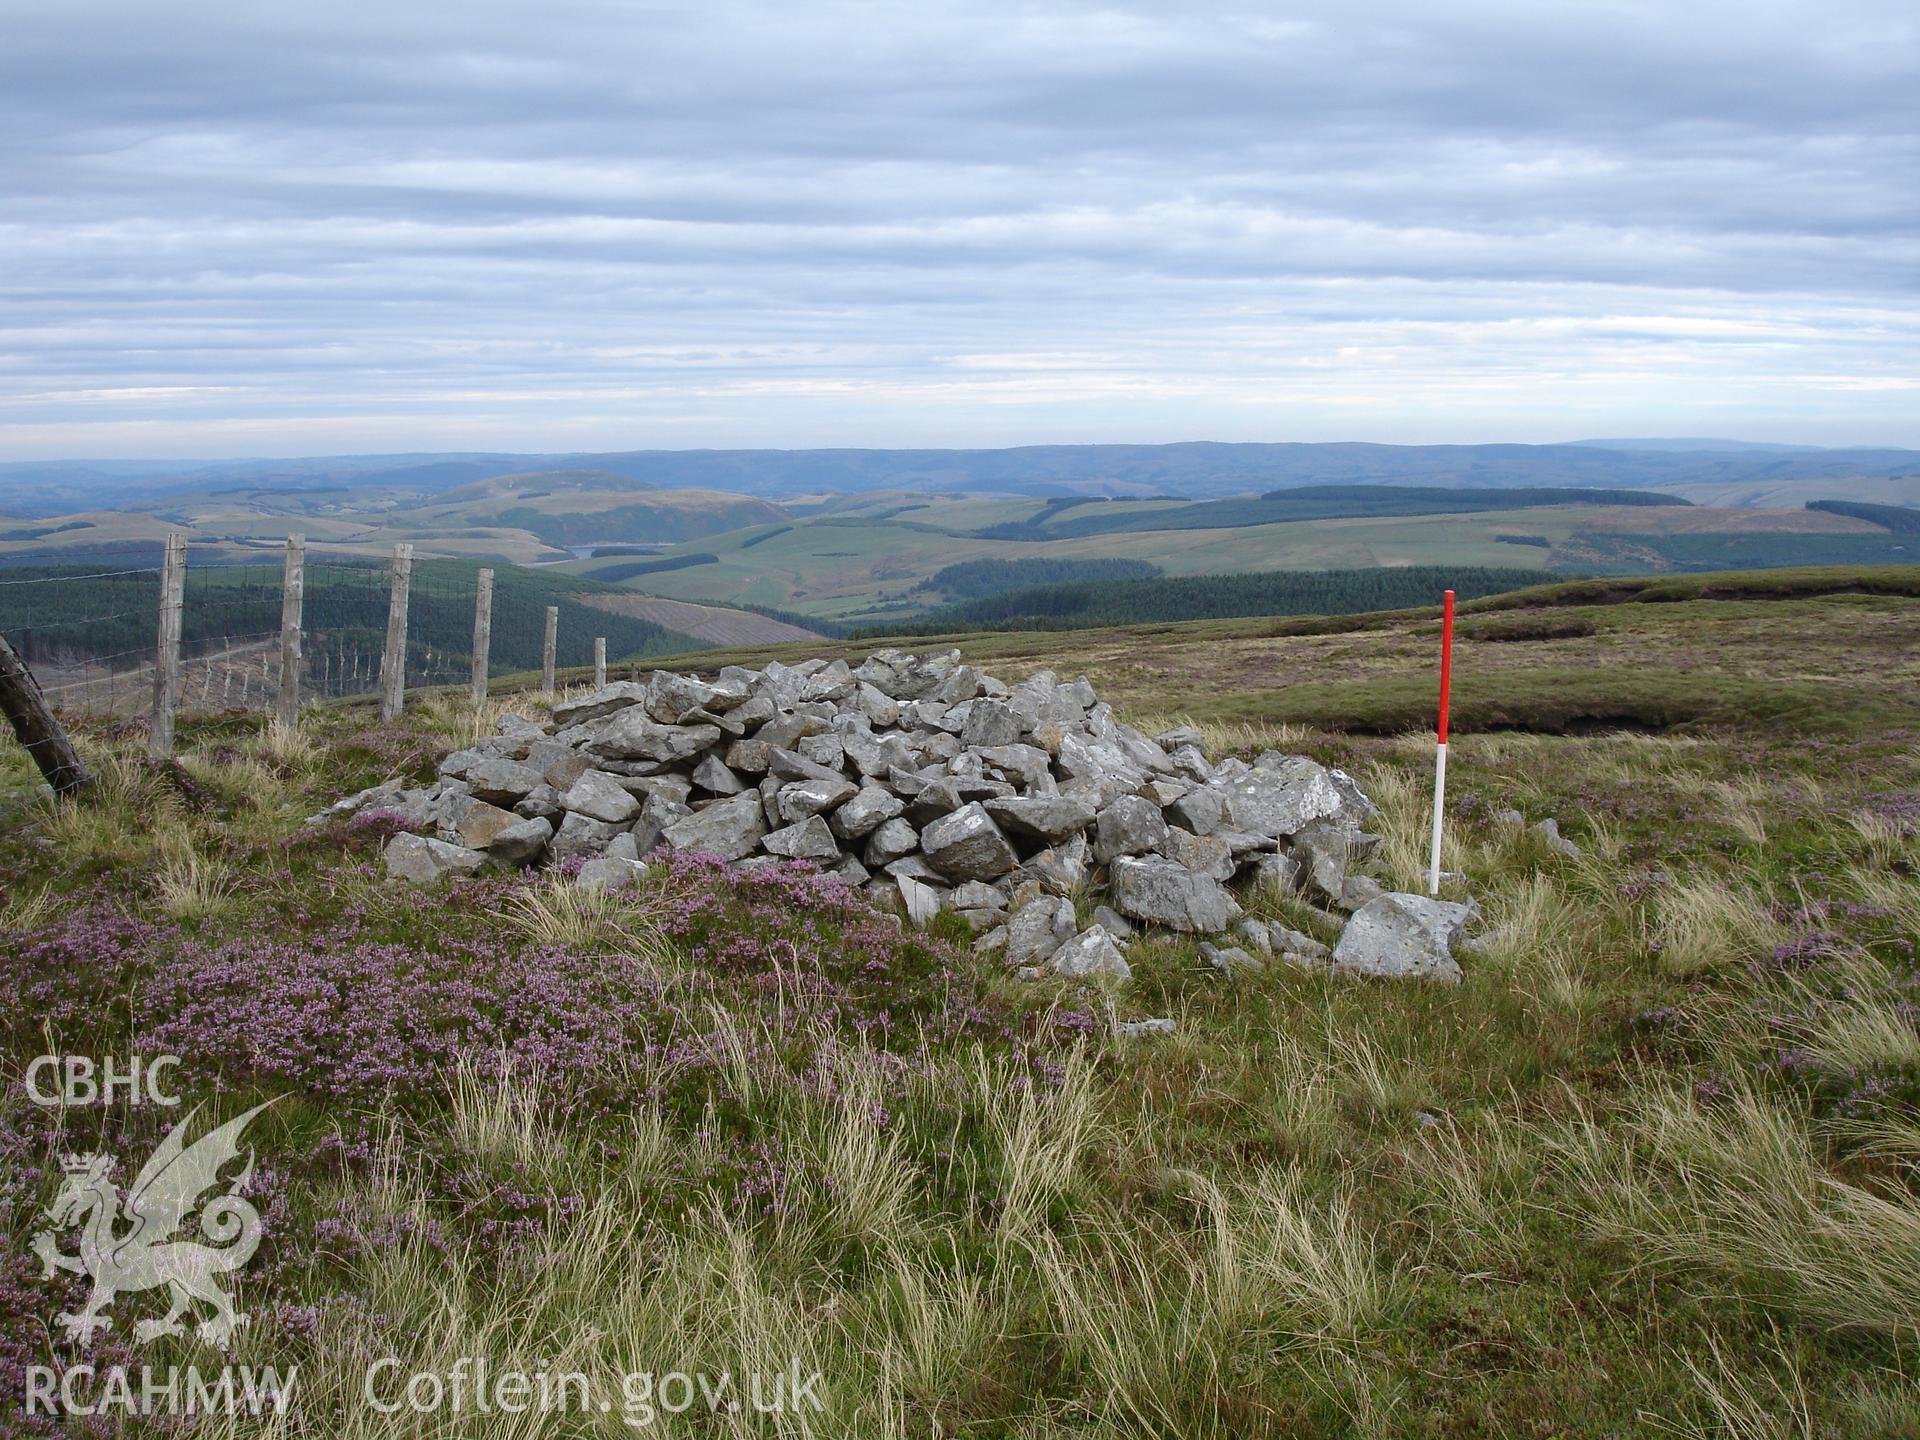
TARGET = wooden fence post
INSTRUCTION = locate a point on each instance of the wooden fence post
(26, 710)
(393, 661)
(293, 586)
(482, 632)
(166, 659)
(549, 648)
(599, 662)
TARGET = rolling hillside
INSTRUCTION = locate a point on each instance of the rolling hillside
(873, 562)
(1193, 470)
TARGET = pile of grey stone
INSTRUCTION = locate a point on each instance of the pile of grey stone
(931, 786)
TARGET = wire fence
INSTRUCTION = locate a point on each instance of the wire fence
(346, 629)
(440, 629)
(102, 662)
(157, 642)
(86, 634)
(230, 638)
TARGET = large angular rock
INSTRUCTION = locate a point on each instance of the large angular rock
(1274, 872)
(978, 895)
(873, 756)
(598, 796)
(1162, 892)
(600, 704)
(729, 828)
(1201, 811)
(831, 682)
(967, 845)
(561, 771)
(870, 808)
(581, 835)
(1027, 765)
(670, 696)
(633, 735)
(1203, 854)
(522, 842)
(1228, 959)
(990, 723)
(501, 782)
(1091, 955)
(473, 823)
(893, 840)
(825, 751)
(1322, 849)
(650, 830)
(712, 775)
(935, 799)
(1131, 825)
(920, 900)
(803, 798)
(1403, 935)
(371, 798)
(1059, 869)
(1297, 944)
(422, 859)
(1285, 796)
(543, 801)
(610, 872)
(1037, 929)
(809, 839)
(792, 765)
(751, 756)
(1050, 818)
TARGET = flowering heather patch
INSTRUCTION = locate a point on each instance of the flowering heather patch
(1900, 806)
(381, 1002)
(366, 1006)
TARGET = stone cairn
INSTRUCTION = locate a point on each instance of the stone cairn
(931, 786)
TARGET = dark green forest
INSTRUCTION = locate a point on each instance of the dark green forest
(1738, 552)
(971, 579)
(1088, 604)
(1900, 519)
(69, 614)
(1312, 502)
(765, 535)
(614, 573)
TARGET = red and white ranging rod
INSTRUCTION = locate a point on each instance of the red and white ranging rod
(1440, 752)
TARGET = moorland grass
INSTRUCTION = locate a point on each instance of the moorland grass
(1654, 1167)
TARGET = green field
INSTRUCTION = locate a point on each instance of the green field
(870, 562)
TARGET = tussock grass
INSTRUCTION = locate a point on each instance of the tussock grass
(563, 915)
(1703, 924)
(1743, 1403)
(191, 886)
(26, 911)
(1735, 1193)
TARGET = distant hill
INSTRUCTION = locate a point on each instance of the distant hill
(1089, 604)
(1315, 502)
(1687, 446)
(1899, 519)
(1191, 470)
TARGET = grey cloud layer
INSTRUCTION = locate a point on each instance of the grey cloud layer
(365, 226)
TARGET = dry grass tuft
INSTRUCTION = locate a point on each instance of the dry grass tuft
(1737, 1191)
(1702, 925)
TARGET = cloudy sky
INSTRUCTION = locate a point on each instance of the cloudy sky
(280, 228)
